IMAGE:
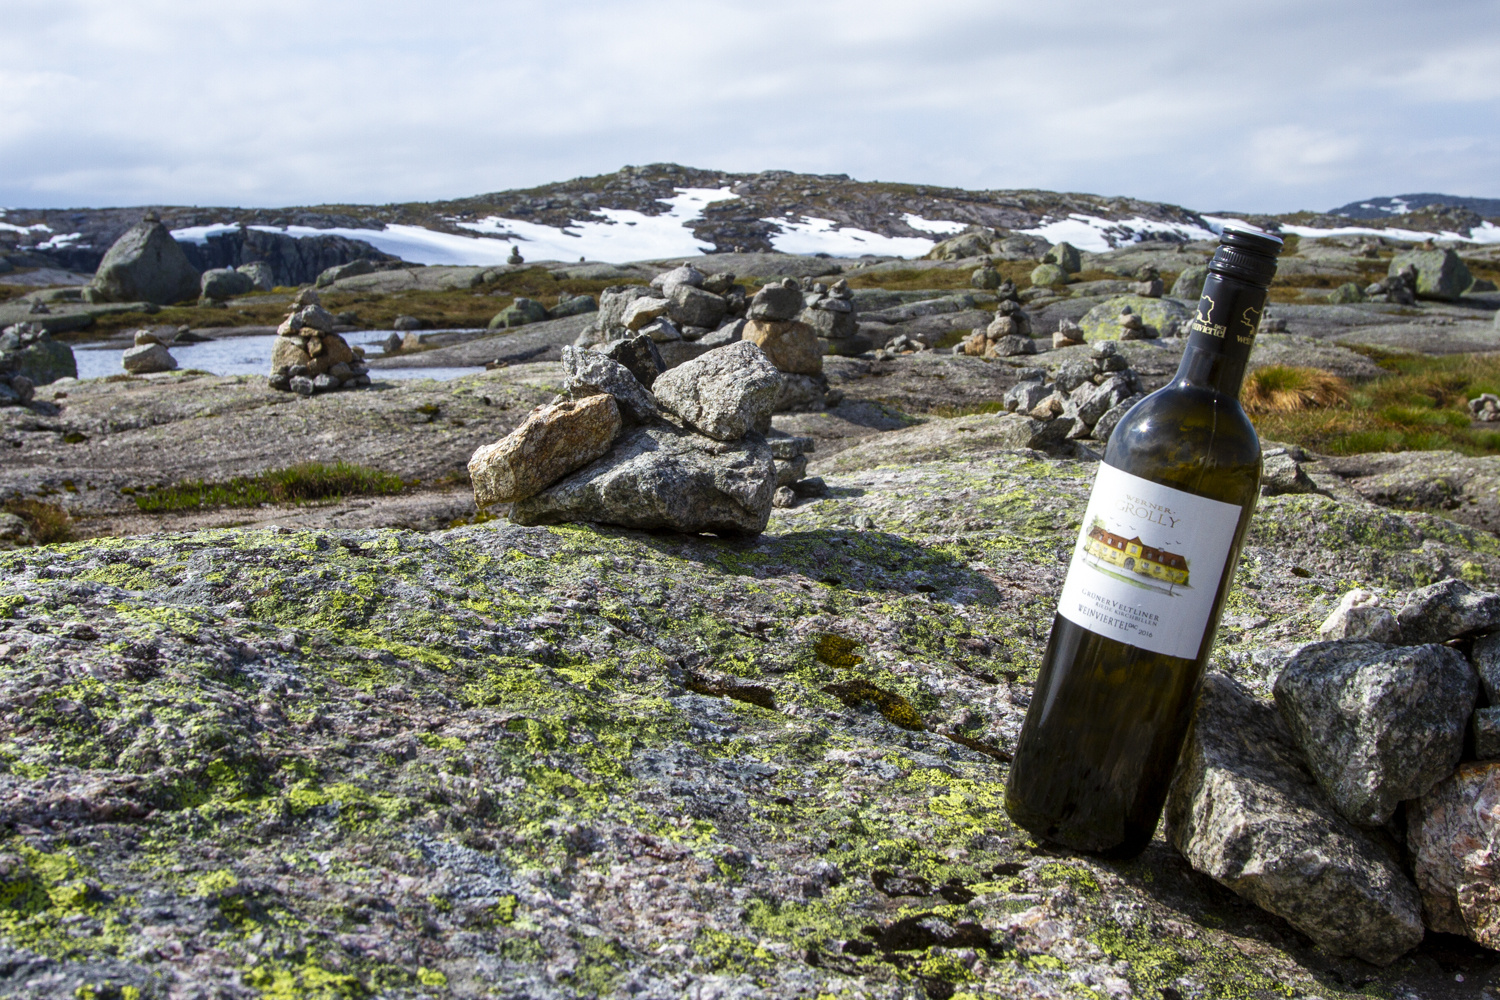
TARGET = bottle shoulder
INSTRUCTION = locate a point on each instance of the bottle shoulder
(1191, 437)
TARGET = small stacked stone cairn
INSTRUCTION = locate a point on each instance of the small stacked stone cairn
(634, 444)
(1009, 333)
(1069, 334)
(28, 351)
(829, 311)
(150, 353)
(1486, 407)
(900, 345)
(1374, 740)
(1133, 327)
(1399, 288)
(1148, 283)
(776, 325)
(1086, 399)
(682, 304)
(1271, 323)
(309, 357)
(15, 389)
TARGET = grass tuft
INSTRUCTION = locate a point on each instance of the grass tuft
(47, 522)
(1287, 389)
(300, 483)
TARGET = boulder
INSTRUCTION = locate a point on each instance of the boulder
(725, 393)
(1360, 616)
(729, 333)
(519, 313)
(1453, 834)
(1010, 346)
(1345, 294)
(801, 393)
(614, 301)
(1159, 317)
(792, 346)
(147, 358)
(573, 305)
(689, 305)
(1485, 728)
(144, 265)
(1447, 610)
(1189, 284)
(589, 373)
(353, 269)
(1378, 724)
(28, 349)
(1066, 256)
(15, 533)
(684, 275)
(985, 277)
(642, 312)
(262, 278)
(665, 477)
(777, 302)
(1441, 274)
(1245, 811)
(1048, 274)
(551, 442)
(640, 355)
(225, 283)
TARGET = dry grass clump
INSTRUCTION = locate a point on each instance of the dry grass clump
(47, 522)
(1290, 389)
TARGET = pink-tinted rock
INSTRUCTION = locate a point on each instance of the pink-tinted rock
(1454, 837)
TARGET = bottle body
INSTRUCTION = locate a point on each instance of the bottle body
(1150, 572)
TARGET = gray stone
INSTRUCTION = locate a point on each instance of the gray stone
(662, 476)
(1345, 294)
(1244, 811)
(663, 331)
(21, 387)
(573, 305)
(301, 385)
(613, 303)
(985, 277)
(1105, 427)
(1453, 835)
(225, 283)
(519, 313)
(1281, 474)
(1360, 616)
(641, 312)
(326, 383)
(1012, 346)
(1094, 401)
(1048, 274)
(1486, 658)
(1485, 727)
(14, 532)
(1447, 610)
(785, 446)
(1441, 274)
(147, 358)
(145, 265)
(405, 322)
(1066, 256)
(588, 373)
(1378, 724)
(353, 269)
(685, 274)
(1189, 284)
(28, 349)
(1024, 396)
(262, 277)
(639, 354)
(801, 393)
(777, 302)
(688, 305)
(725, 393)
(1073, 373)
(784, 496)
(727, 334)
(789, 470)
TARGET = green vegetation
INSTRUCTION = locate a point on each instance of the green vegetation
(1287, 388)
(48, 522)
(300, 483)
(1422, 405)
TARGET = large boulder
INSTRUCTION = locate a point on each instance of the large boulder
(1447, 610)
(225, 283)
(352, 269)
(1189, 284)
(27, 349)
(551, 442)
(1244, 811)
(262, 278)
(1441, 274)
(519, 313)
(1378, 724)
(1453, 834)
(725, 393)
(665, 477)
(1161, 317)
(691, 306)
(1065, 256)
(144, 265)
(147, 359)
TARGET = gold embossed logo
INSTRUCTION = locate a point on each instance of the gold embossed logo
(1203, 322)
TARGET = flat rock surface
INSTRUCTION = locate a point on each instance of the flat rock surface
(531, 343)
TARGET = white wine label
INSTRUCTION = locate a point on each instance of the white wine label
(1147, 564)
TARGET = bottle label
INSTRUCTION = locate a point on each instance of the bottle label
(1148, 563)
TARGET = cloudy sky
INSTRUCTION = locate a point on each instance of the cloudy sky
(1268, 106)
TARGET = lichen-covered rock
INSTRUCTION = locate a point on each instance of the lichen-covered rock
(1378, 724)
(665, 477)
(589, 373)
(145, 265)
(1048, 274)
(1454, 836)
(550, 443)
(1244, 811)
(1159, 317)
(28, 350)
(1447, 610)
(1189, 284)
(147, 359)
(1065, 256)
(791, 346)
(725, 393)
(1441, 274)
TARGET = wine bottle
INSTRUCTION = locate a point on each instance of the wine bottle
(1152, 565)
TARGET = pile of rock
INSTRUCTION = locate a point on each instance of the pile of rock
(635, 444)
(829, 311)
(1148, 283)
(682, 304)
(150, 353)
(1301, 807)
(523, 310)
(1085, 399)
(1069, 334)
(309, 357)
(15, 390)
(1487, 406)
(1008, 334)
(221, 283)
(27, 350)
(1399, 287)
(1057, 266)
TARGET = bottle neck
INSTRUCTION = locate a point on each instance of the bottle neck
(1222, 334)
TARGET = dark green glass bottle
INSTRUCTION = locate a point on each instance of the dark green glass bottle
(1152, 566)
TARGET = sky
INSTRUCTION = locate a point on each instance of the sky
(1272, 106)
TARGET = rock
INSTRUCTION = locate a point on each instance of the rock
(14, 532)
(1441, 274)
(664, 477)
(720, 283)
(1244, 811)
(1111, 417)
(614, 302)
(551, 442)
(662, 331)
(725, 393)
(1010, 346)
(225, 283)
(1485, 728)
(727, 334)
(1151, 288)
(1346, 293)
(644, 311)
(301, 385)
(1447, 610)
(589, 373)
(1281, 474)
(1048, 274)
(1453, 835)
(1159, 317)
(1485, 407)
(685, 275)
(405, 322)
(262, 277)
(1189, 284)
(1068, 334)
(788, 471)
(1024, 396)
(689, 305)
(573, 305)
(1360, 616)
(1092, 402)
(1378, 724)
(784, 496)
(985, 277)
(353, 269)
(791, 346)
(786, 446)
(28, 349)
(639, 355)
(287, 353)
(147, 358)
(777, 302)
(1485, 655)
(325, 383)
(1066, 256)
(22, 389)
(519, 313)
(515, 257)
(144, 265)
(801, 393)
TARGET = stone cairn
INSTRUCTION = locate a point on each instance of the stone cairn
(1387, 731)
(1085, 399)
(1485, 408)
(150, 353)
(633, 443)
(309, 357)
(1399, 288)
(1008, 334)
(29, 357)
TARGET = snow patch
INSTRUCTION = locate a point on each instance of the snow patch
(1486, 232)
(40, 227)
(1089, 232)
(60, 241)
(822, 236)
(939, 226)
(200, 234)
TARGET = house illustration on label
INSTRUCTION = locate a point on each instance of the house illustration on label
(1136, 556)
